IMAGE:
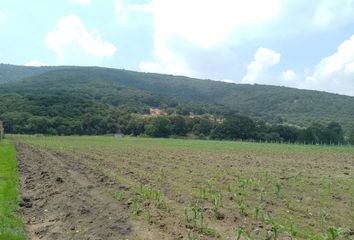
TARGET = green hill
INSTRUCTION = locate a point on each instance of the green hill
(63, 87)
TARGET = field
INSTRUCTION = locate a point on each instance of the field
(141, 188)
(11, 227)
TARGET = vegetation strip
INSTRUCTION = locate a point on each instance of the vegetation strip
(11, 226)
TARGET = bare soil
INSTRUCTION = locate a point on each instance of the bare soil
(63, 199)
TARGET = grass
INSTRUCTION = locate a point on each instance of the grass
(225, 189)
(11, 226)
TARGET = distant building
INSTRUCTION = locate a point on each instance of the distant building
(155, 112)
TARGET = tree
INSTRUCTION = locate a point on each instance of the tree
(178, 125)
(351, 137)
(158, 127)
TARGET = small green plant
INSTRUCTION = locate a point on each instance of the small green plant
(292, 231)
(118, 196)
(239, 233)
(267, 217)
(195, 214)
(203, 193)
(257, 211)
(334, 233)
(242, 208)
(263, 195)
(217, 203)
(277, 229)
(149, 193)
(229, 188)
(250, 235)
(323, 219)
(277, 185)
(136, 208)
(189, 234)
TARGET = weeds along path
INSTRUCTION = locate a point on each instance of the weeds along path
(62, 199)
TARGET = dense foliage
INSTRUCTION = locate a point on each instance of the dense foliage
(90, 100)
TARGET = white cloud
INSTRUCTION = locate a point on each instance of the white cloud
(203, 24)
(208, 22)
(71, 33)
(189, 34)
(288, 75)
(335, 73)
(35, 63)
(330, 12)
(81, 2)
(264, 59)
(123, 11)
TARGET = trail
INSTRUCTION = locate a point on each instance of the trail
(63, 199)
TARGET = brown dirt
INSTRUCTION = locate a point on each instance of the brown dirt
(63, 199)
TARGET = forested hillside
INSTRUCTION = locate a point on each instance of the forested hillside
(73, 94)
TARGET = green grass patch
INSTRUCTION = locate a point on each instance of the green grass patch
(11, 226)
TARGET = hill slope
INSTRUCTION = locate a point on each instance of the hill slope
(141, 90)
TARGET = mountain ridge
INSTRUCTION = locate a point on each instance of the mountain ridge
(119, 88)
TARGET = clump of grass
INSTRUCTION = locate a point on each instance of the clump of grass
(11, 226)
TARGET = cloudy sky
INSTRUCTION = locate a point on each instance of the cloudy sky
(296, 43)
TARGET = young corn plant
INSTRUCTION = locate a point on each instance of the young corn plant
(239, 233)
(203, 193)
(258, 210)
(118, 196)
(136, 208)
(334, 233)
(323, 219)
(189, 234)
(292, 231)
(153, 195)
(277, 229)
(217, 204)
(195, 215)
(242, 208)
(277, 185)
(267, 218)
(263, 195)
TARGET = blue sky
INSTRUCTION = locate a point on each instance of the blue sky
(303, 44)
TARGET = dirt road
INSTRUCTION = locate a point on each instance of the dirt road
(63, 199)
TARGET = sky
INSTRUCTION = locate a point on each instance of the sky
(296, 43)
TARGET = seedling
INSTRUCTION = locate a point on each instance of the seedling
(257, 210)
(136, 209)
(277, 187)
(239, 233)
(189, 234)
(195, 215)
(217, 203)
(242, 208)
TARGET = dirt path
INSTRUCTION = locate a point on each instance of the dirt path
(63, 199)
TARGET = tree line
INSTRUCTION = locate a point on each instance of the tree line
(102, 120)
